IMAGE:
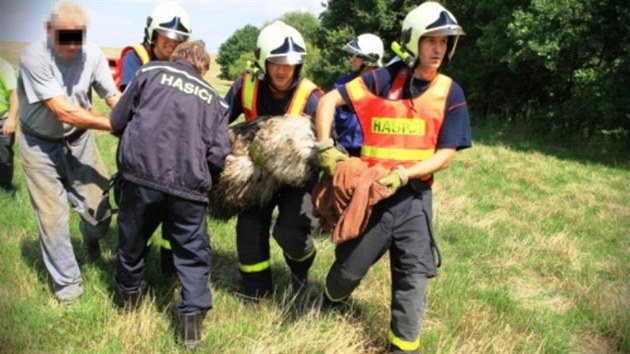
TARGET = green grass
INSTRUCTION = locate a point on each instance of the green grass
(536, 260)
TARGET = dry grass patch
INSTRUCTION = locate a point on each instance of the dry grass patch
(611, 298)
(535, 293)
(481, 331)
(562, 248)
(592, 343)
(136, 330)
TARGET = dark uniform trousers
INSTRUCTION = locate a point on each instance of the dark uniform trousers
(6, 157)
(291, 231)
(402, 225)
(141, 211)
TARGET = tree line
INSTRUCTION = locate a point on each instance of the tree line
(555, 66)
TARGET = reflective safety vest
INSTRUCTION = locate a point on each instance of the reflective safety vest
(141, 52)
(249, 96)
(395, 131)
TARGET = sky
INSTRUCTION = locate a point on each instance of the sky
(117, 23)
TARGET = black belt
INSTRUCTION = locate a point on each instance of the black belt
(64, 141)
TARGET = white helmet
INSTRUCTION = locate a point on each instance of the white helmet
(169, 20)
(280, 43)
(429, 19)
(368, 47)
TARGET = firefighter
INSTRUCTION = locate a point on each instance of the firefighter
(166, 28)
(367, 54)
(272, 85)
(414, 120)
(169, 112)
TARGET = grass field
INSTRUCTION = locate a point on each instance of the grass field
(536, 260)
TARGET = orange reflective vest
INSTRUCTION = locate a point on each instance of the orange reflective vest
(249, 96)
(141, 52)
(395, 132)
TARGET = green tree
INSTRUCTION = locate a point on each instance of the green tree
(239, 48)
(551, 65)
(305, 22)
(242, 41)
(581, 48)
(308, 26)
(239, 65)
(344, 20)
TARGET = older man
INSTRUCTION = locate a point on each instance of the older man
(58, 152)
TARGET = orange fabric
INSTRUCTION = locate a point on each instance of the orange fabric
(396, 91)
(399, 132)
(344, 203)
(142, 53)
(249, 96)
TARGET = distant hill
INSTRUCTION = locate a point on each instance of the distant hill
(10, 51)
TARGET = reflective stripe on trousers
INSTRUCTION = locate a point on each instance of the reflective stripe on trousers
(400, 225)
(291, 231)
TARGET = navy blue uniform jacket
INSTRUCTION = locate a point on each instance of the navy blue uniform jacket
(174, 130)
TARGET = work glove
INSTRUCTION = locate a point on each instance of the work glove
(328, 156)
(394, 180)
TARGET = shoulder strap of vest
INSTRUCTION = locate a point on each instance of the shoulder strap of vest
(249, 95)
(141, 52)
(396, 90)
(300, 97)
(442, 85)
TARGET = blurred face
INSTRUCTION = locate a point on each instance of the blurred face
(431, 51)
(281, 75)
(67, 38)
(356, 63)
(164, 46)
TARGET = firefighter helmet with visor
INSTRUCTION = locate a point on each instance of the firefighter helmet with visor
(280, 43)
(429, 19)
(170, 20)
(368, 47)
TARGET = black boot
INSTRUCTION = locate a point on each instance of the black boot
(326, 304)
(133, 300)
(190, 328)
(299, 271)
(255, 286)
(297, 284)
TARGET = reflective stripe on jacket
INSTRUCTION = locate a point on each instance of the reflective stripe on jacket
(249, 96)
(399, 132)
(141, 52)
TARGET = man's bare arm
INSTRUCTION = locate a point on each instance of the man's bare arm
(76, 116)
